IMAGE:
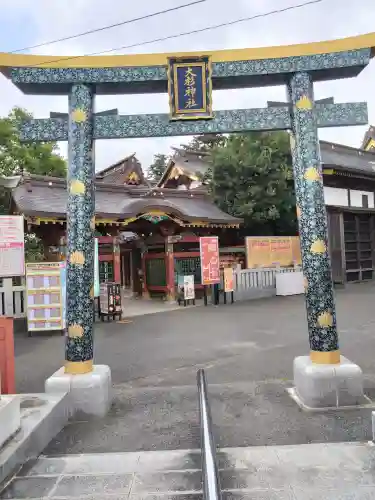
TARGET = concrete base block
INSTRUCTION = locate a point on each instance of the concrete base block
(42, 417)
(89, 394)
(10, 417)
(320, 386)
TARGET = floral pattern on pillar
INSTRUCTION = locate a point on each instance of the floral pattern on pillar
(312, 220)
(80, 234)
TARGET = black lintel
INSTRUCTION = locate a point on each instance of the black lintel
(107, 112)
(279, 104)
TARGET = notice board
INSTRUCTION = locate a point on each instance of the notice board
(45, 292)
(272, 251)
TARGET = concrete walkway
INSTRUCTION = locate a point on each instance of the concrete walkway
(140, 307)
(304, 472)
(247, 350)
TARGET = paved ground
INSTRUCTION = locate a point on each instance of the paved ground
(140, 307)
(305, 472)
(247, 350)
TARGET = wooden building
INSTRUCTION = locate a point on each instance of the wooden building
(349, 191)
(185, 170)
(150, 234)
(147, 235)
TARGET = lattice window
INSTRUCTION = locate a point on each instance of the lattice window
(156, 272)
(188, 266)
(105, 272)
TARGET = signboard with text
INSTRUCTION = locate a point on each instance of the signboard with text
(210, 264)
(272, 251)
(190, 88)
(45, 295)
(12, 246)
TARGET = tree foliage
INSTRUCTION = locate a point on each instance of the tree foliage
(39, 158)
(205, 143)
(157, 168)
(34, 251)
(251, 178)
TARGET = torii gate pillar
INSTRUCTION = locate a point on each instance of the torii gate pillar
(89, 385)
(323, 379)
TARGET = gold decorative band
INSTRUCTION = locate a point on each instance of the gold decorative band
(325, 358)
(78, 367)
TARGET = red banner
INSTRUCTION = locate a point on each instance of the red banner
(210, 265)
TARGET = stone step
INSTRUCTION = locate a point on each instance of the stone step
(313, 471)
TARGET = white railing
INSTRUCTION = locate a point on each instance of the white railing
(12, 297)
(254, 283)
(248, 284)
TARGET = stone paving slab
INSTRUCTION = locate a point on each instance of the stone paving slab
(326, 471)
(244, 414)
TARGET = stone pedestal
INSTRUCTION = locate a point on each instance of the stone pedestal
(10, 417)
(323, 385)
(90, 394)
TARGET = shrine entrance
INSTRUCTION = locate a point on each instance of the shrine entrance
(189, 79)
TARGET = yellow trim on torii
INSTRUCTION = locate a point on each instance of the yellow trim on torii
(370, 145)
(8, 60)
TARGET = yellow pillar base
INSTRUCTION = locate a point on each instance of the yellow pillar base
(325, 358)
(78, 367)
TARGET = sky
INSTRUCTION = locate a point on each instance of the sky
(25, 23)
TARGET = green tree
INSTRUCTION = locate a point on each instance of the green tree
(157, 168)
(33, 248)
(39, 158)
(252, 179)
(206, 142)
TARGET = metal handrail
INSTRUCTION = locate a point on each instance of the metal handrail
(210, 470)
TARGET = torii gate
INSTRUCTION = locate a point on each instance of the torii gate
(189, 79)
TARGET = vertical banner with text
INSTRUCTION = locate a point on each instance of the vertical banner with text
(228, 279)
(96, 268)
(210, 265)
(12, 246)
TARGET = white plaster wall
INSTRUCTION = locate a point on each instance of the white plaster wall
(336, 196)
(356, 198)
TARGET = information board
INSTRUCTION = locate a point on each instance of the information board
(210, 264)
(45, 296)
(110, 298)
(12, 246)
(272, 251)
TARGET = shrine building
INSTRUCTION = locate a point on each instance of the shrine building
(147, 234)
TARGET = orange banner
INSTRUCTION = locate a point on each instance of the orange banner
(228, 279)
(272, 251)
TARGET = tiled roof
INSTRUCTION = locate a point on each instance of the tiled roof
(332, 155)
(48, 197)
(347, 158)
(370, 134)
(188, 162)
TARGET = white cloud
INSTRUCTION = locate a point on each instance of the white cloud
(325, 20)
